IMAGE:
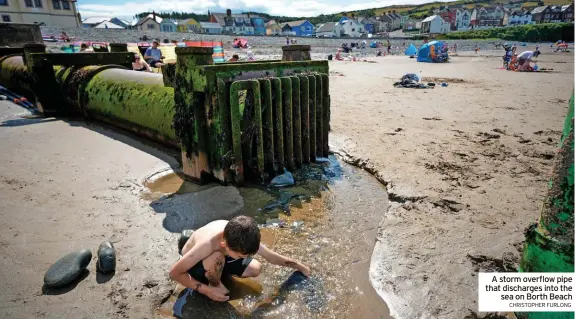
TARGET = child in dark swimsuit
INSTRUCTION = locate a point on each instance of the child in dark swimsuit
(139, 65)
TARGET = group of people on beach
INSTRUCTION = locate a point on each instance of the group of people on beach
(519, 62)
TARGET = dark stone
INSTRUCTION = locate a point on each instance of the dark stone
(106, 257)
(184, 236)
(66, 269)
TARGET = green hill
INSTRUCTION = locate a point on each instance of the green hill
(414, 11)
(423, 10)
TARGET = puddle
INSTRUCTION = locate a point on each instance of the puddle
(168, 183)
(328, 221)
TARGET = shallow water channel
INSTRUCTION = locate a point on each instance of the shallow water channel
(328, 220)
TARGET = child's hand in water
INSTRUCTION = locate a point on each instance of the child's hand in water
(214, 293)
(222, 289)
(304, 269)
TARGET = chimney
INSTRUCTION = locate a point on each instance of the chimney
(393, 11)
(248, 15)
(209, 14)
(229, 13)
(154, 15)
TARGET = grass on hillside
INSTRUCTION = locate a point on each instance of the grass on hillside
(423, 9)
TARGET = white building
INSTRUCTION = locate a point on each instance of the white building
(517, 17)
(462, 19)
(57, 13)
(434, 24)
(351, 28)
(329, 30)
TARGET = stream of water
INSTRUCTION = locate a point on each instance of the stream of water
(328, 220)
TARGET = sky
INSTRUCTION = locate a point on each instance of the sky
(295, 8)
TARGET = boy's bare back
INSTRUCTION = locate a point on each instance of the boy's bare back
(211, 233)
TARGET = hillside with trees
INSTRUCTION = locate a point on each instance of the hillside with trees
(414, 11)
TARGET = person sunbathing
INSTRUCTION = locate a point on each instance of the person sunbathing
(338, 55)
(139, 65)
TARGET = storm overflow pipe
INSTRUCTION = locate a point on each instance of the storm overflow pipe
(99, 87)
(132, 100)
(135, 101)
(14, 75)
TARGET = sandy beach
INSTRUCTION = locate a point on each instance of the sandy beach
(465, 168)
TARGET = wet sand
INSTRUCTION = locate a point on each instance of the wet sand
(65, 186)
(466, 167)
(466, 174)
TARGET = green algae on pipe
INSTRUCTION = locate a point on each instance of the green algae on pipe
(319, 116)
(267, 123)
(296, 120)
(73, 80)
(136, 101)
(221, 134)
(278, 124)
(14, 75)
(287, 122)
(236, 117)
(304, 111)
(312, 115)
(326, 114)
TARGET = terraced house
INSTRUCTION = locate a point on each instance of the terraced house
(44, 12)
(482, 18)
(300, 28)
(517, 17)
(550, 14)
(241, 24)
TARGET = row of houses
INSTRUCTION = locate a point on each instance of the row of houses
(219, 23)
(452, 19)
(445, 20)
(152, 22)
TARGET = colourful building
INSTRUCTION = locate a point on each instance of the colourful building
(259, 25)
(189, 25)
(302, 28)
(168, 25)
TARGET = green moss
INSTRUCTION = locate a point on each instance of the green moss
(544, 254)
(150, 108)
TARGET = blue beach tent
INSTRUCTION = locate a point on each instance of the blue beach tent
(411, 50)
(433, 52)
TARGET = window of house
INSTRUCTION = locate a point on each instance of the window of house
(353, 30)
(6, 18)
(38, 3)
(3, 2)
(56, 4)
(66, 5)
(151, 26)
(28, 3)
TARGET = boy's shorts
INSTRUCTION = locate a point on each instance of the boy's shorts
(232, 266)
